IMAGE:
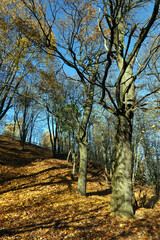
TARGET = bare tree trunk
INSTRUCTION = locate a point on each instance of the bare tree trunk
(83, 145)
(82, 179)
(74, 163)
(69, 153)
(55, 138)
(50, 133)
(121, 199)
(15, 122)
(122, 189)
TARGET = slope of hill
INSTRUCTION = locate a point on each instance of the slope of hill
(38, 200)
(11, 153)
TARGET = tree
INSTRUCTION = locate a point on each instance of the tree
(45, 141)
(123, 46)
(84, 59)
(26, 113)
(79, 44)
(63, 113)
(18, 56)
(11, 130)
(12, 70)
(148, 146)
(50, 97)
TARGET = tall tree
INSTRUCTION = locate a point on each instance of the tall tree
(26, 113)
(124, 44)
(18, 55)
(91, 50)
(12, 70)
(76, 45)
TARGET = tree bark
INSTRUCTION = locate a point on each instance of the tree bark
(121, 183)
(82, 179)
(82, 140)
(121, 199)
(122, 190)
(74, 163)
(50, 133)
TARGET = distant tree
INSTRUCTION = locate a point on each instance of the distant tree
(45, 142)
(11, 130)
(86, 67)
(147, 147)
(50, 97)
(26, 113)
(10, 74)
(15, 59)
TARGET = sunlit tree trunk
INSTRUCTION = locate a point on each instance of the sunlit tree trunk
(122, 192)
(121, 199)
(51, 132)
(82, 179)
(74, 163)
(82, 139)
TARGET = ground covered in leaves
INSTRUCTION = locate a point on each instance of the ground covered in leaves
(38, 200)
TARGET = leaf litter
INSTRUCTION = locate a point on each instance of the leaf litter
(39, 200)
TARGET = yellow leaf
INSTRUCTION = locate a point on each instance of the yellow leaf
(71, 228)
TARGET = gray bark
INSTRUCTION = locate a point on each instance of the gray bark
(122, 191)
(121, 199)
(82, 179)
(74, 163)
(82, 139)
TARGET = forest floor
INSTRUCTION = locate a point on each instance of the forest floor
(39, 200)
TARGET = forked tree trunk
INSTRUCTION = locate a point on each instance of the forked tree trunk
(122, 189)
(122, 192)
(82, 179)
(121, 198)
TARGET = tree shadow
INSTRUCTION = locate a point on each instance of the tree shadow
(99, 193)
(148, 204)
(31, 183)
(54, 224)
(98, 230)
(9, 178)
(12, 155)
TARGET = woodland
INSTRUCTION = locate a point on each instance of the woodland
(79, 119)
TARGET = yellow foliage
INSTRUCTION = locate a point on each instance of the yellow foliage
(19, 17)
(11, 130)
(46, 140)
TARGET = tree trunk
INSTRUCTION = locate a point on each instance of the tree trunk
(74, 163)
(82, 179)
(82, 140)
(121, 199)
(121, 183)
(50, 133)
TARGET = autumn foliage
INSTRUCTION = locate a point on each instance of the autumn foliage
(38, 200)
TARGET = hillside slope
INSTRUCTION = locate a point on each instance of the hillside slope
(38, 200)
(12, 155)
